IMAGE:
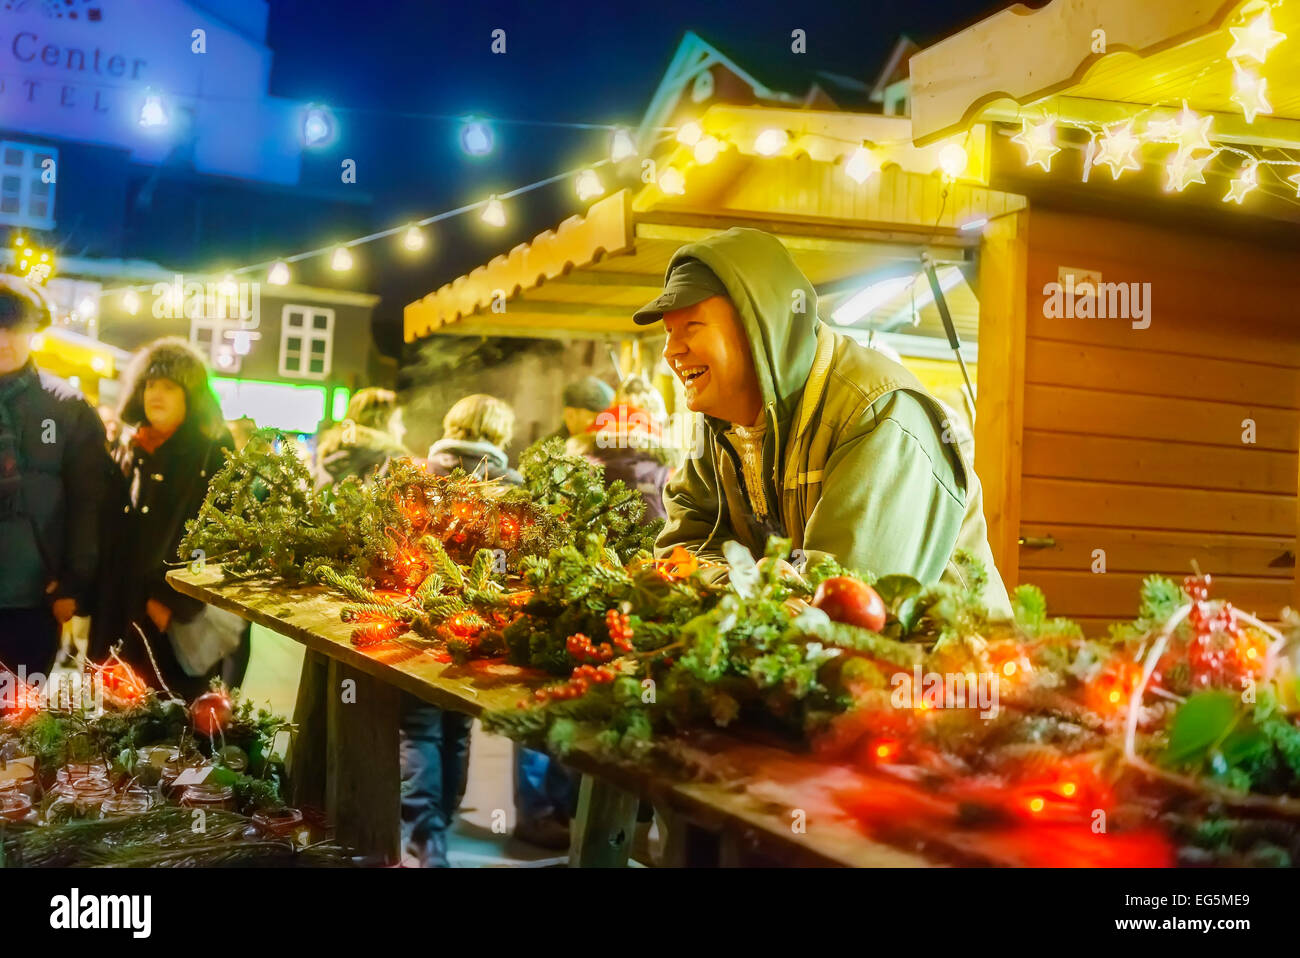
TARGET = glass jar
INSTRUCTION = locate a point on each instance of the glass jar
(83, 798)
(208, 797)
(14, 805)
(74, 771)
(20, 778)
(278, 822)
(130, 801)
(152, 761)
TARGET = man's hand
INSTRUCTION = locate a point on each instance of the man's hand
(159, 614)
(64, 609)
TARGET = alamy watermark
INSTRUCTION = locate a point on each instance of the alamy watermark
(1087, 300)
(945, 690)
(61, 692)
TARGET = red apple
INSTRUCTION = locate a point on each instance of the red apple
(211, 712)
(847, 600)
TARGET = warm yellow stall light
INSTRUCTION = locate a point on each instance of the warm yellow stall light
(589, 185)
(228, 287)
(1250, 94)
(494, 214)
(1037, 140)
(771, 141)
(952, 160)
(1117, 148)
(279, 274)
(1243, 183)
(707, 149)
(131, 302)
(672, 182)
(1255, 39)
(341, 261)
(862, 165)
(689, 134)
(1184, 170)
(621, 146)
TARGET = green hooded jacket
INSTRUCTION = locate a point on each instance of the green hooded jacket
(854, 444)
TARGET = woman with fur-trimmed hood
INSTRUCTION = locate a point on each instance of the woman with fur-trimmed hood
(174, 440)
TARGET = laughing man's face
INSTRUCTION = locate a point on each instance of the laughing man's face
(709, 352)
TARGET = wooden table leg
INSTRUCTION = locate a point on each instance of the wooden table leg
(307, 753)
(685, 844)
(605, 823)
(363, 774)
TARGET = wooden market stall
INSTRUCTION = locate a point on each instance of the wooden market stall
(1111, 448)
(585, 278)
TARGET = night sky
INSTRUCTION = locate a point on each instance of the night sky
(574, 62)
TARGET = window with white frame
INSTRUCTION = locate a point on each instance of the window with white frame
(211, 337)
(306, 341)
(27, 178)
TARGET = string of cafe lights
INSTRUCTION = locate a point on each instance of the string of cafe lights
(862, 160)
(1116, 145)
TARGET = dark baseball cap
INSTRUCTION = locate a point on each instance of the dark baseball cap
(689, 283)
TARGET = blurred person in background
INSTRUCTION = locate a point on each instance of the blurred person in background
(628, 440)
(174, 440)
(364, 441)
(475, 433)
(54, 475)
(584, 399)
(435, 742)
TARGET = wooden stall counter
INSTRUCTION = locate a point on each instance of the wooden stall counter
(726, 799)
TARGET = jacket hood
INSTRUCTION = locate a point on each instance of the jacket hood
(470, 451)
(776, 304)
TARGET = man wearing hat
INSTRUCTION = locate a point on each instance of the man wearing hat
(54, 475)
(809, 435)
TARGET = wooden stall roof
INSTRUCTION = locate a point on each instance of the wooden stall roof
(1156, 52)
(586, 277)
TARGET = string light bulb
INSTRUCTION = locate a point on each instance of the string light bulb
(1036, 138)
(862, 165)
(152, 112)
(672, 182)
(621, 146)
(707, 149)
(589, 185)
(228, 287)
(341, 261)
(1255, 39)
(1295, 178)
(771, 142)
(279, 274)
(494, 214)
(1245, 181)
(1117, 149)
(413, 238)
(1188, 129)
(131, 302)
(689, 134)
(952, 160)
(1250, 94)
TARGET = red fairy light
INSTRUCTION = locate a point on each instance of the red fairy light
(1109, 692)
(509, 527)
(465, 624)
(885, 749)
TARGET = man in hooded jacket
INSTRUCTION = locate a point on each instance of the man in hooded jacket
(809, 435)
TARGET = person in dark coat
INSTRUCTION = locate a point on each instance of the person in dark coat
(174, 440)
(54, 474)
(435, 742)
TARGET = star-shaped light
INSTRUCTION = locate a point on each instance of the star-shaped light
(1255, 39)
(1117, 149)
(1037, 141)
(1250, 94)
(1243, 183)
(1184, 170)
(1295, 178)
